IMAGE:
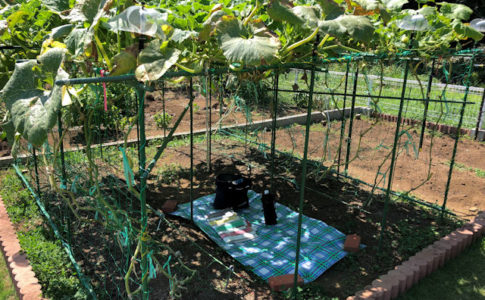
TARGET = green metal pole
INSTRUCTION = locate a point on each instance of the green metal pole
(351, 124)
(140, 91)
(221, 89)
(426, 104)
(36, 169)
(191, 195)
(342, 127)
(393, 154)
(457, 136)
(210, 123)
(480, 116)
(273, 129)
(163, 110)
(61, 145)
(207, 120)
(304, 166)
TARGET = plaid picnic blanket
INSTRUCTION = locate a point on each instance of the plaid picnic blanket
(273, 251)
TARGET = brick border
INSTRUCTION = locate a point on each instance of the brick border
(446, 129)
(23, 278)
(397, 281)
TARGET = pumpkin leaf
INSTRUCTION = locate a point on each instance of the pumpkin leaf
(358, 27)
(394, 4)
(283, 14)
(455, 11)
(246, 44)
(78, 40)
(33, 110)
(310, 14)
(466, 30)
(153, 62)
(331, 9)
(56, 6)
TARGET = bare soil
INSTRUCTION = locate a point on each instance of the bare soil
(336, 201)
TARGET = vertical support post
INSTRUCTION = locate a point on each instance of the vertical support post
(481, 114)
(466, 82)
(273, 129)
(140, 93)
(304, 165)
(191, 195)
(208, 125)
(393, 153)
(342, 127)
(36, 169)
(61, 146)
(221, 90)
(426, 104)
(163, 111)
(351, 124)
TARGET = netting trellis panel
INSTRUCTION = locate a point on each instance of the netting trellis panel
(104, 182)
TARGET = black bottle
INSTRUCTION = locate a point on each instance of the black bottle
(268, 208)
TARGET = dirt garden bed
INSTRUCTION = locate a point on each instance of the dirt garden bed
(337, 202)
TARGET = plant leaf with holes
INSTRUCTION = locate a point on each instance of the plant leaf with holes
(32, 109)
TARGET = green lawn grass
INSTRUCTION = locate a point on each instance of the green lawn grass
(7, 291)
(462, 278)
(443, 113)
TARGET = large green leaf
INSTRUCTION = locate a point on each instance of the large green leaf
(394, 4)
(180, 35)
(282, 13)
(57, 6)
(78, 40)
(60, 31)
(368, 4)
(209, 24)
(310, 14)
(153, 62)
(358, 27)
(456, 11)
(246, 44)
(466, 31)
(88, 11)
(331, 9)
(33, 111)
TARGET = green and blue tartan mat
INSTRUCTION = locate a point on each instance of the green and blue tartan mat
(273, 251)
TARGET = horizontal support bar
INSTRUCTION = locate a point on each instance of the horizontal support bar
(373, 96)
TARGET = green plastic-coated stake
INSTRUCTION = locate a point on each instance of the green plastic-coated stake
(140, 93)
(61, 146)
(36, 169)
(304, 167)
(221, 90)
(393, 154)
(273, 130)
(458, 129)
(191, 97)
(163, 111)
(351, 124)
(208, 125)
(426, 104)
(480, 115)
(344, 120)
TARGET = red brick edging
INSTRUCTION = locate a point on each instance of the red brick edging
(447, 129)
(26, 284)
(399, 280)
